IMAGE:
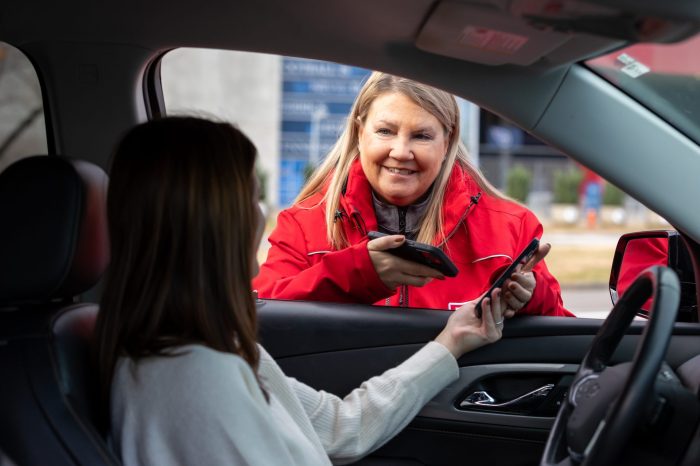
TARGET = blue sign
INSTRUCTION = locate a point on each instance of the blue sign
(316, 99)
(291, 178)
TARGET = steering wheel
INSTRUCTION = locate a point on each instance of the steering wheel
(604, 404)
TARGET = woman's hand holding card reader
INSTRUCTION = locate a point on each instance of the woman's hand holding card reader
(421, 253)
(521, 260)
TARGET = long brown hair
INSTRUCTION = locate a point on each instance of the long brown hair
(182, 222)
(336, 166)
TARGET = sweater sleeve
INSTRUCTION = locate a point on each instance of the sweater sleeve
(340, 276)
(370, 415)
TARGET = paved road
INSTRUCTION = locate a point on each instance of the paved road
(592, 238)
(593, 302)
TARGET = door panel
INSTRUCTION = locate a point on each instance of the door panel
(446, 405)
(336, 347)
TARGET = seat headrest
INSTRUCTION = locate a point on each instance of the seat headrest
(53, 238)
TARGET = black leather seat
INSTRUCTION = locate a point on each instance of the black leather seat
(53, 247)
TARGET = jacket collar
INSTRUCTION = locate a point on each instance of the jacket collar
(461, 189)
(357, 196)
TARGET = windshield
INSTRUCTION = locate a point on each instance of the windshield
(663, 77)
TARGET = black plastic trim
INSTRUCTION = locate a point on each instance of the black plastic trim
(297, 328)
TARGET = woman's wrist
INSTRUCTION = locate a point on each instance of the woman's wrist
(446, 340)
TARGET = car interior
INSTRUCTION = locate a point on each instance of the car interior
(553, 391)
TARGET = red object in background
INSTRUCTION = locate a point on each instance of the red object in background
(589, 176)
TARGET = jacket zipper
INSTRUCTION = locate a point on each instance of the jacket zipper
(402, 220)
(403, 291)
(360, 224)
(403, 296)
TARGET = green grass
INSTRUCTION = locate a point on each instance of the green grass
(576, 265)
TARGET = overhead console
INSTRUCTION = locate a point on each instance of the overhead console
(524, 32)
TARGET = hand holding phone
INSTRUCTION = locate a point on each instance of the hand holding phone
(421, 253)
(522, 259)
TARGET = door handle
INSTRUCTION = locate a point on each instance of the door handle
(482, 399)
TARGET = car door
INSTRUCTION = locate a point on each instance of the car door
(336, 347)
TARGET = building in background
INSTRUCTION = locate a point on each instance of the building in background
(316, 99)
(240, 87)
(293, 109)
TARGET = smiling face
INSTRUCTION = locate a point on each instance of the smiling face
(402, 147)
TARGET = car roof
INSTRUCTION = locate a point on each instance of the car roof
(87, 51)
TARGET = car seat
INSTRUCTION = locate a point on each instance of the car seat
(53, 247)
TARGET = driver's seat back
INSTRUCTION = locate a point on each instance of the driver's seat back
(53, 247)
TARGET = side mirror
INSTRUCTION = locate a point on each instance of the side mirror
(637, 251)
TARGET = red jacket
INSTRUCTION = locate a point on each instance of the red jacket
(483, 238)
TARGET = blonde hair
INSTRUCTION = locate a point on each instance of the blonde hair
(337, 163)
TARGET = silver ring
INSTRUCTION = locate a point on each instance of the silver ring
(500, 322)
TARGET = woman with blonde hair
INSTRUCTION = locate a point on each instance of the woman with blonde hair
(400, 167)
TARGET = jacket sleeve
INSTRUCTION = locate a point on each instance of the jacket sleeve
(340, 276)
(372, 414)
(546, 298)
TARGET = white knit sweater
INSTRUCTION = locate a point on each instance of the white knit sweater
(205, 407)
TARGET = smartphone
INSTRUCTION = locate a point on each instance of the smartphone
(522, 258)
(421, 253)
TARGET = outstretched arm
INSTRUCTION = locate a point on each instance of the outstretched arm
(372, 414)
